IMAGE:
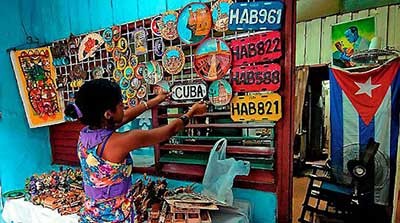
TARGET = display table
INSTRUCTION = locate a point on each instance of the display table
(20, 211)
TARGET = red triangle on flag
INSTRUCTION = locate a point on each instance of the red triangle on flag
(366, 90)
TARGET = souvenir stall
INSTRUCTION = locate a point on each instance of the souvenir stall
(235, 55)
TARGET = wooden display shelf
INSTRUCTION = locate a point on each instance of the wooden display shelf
(229, 138)
(209, 114)
(246, 150)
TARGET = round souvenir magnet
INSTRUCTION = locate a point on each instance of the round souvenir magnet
(122, 44)
(173, 60)
(220, 92)
(135, 83)
(154, 72)
(155, 26)
(121, 64)
(116, 33)
(128, 52)
(110, 66)
(194, 23)
(77, 72)
(133, 60)
(168, 23)
(133, 102)
(140, 70)
(117, 54)
(108, 35)
(125, 99)
(73, 44)
(129, 72)
(131, 93)
(124, 83)
(110, 46)
(98, 72)
(220, 15)
(212, 59)
(117, 75)
(159, 47)
(141, 92)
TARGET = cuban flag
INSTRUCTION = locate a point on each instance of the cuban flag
(365, 105)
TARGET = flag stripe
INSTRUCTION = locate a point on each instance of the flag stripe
(350, 134)
(336, 106)
(394, 128)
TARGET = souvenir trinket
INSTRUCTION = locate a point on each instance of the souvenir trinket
(159, 47)
(121, 64)
(109, 46)
(212, 59)
(133, 102)
(117, 55)
(128, 52)
(77, 72)
(129, 72)
(122, 44)
(220, 93)
(131, 93)
(168, 24)
(117, 75)
(194, 23)
(98, 72)
(140, 41)
(124, 83)
(133, 60)
(220, 15)
(153, 72)
(141, 92)
(187, 91)
(173, 60)
(108, 35)
(73, 44)
(161, 86)
(110, 66)
(140, 70)
(89, 45)
(116, 33)
(155, 25)
(135, 83)
(125, 98)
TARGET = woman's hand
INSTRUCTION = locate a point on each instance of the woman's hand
(198, 108)
(162, 96)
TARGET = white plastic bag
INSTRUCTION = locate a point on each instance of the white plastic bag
(220, 173)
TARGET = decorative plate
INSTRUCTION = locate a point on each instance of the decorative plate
(117, 75)
(220, 15)
(97, 72)
(173, 60)
(141, 92)
(159, 47)
(124, 83)
(110, 46)
(135, 83)
(121, 64)
(140, 70)
(153, 72)
(116, 33)
(140, 41)
(122, 44)
(133, 60)
(133, 102)
(194, 23)
(89, 45)
(168, 25)
(108, 35)
(129, 72)
(155, 26)
(220, 93)
(212, 59)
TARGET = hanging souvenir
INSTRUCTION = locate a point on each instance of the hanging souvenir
(135, 83)
(133, 60)
(128, 52)
(220, 93)
(128, 72)
(98, 72)
(220, 15)
(116, 33)
(155, 26)
(212, 59)
(173, 60)
(140, 41)
(141, 92)
(108, 35)
(73, 44)
(124, 83)
(77, 72)
(161, 86)
(153, 72)
(159, 47)
(121, 64)
(125, 99)
(110, 46)
(122, 44)
(189, 90)
(89, 45)
(117, 75)
(117, 54)
(140, 70)
(110, 66)
(194, 23)
(131, 93)
(133, 102)
(168, 25)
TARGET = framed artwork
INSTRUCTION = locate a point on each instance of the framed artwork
(349, 38)
(37, 86)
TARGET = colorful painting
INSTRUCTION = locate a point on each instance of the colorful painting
(220, 15)
(36, 82)
(212, 59)
(194, 23)
(89, 45)
(349, 38)
(153, 72)
(140, 40)
(168, 25)
(173, 60)
(220, 93)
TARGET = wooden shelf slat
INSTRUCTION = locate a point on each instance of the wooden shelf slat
(229, 138)
(243, 150)
(231, 125)
(203, 115)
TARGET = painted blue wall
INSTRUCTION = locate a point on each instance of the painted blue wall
(25, 151)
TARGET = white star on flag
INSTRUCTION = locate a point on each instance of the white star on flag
(366, 88)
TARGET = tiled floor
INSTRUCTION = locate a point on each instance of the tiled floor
(299, 190)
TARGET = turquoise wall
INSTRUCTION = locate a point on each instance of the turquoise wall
(25, 151)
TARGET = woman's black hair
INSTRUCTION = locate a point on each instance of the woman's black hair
(93, 99)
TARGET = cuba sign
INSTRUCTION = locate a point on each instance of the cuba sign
(187, 92)
(265, 77)
(263, 15)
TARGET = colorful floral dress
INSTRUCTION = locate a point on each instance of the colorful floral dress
(106, 200)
